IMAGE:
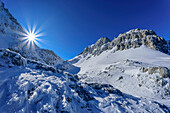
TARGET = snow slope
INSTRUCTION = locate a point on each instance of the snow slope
(141, 54)
(130, 71)
(27, 86)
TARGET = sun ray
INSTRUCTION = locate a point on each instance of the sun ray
(39, 35)
(38, 44)
(34, 28)
(30, 37)
(32, 45)
(37, 39)
(24, 43)
(29, 29)
(28, 45)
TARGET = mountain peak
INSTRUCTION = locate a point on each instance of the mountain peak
(100, 46)
(137, 37)
(103, 40)
(141, 32)
(132, 39)
(144, 31)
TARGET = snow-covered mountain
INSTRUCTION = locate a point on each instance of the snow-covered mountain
(136, 62)
(129, 74)
(132, 39)
(10, 36)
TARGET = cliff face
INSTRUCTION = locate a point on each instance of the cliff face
(135, 38)
(131, 39)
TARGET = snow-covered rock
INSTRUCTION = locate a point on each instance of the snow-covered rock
(132, 39)
(25, 89)
(10, 58)
(136, 62)
(141, 72)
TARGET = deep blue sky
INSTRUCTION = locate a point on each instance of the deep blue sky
(71, 25)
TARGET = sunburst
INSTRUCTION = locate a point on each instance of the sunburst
(30, 37)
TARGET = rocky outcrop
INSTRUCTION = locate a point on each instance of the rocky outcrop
(12, 58)
(131, 39)
(164, 72)
(135, 38)
(97, 48)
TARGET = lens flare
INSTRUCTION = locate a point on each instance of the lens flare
(30, 37)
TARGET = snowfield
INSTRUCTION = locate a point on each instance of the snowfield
(31, 87)
(141, 54)
(125, 71)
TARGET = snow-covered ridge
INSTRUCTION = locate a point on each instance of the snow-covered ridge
(131, 39)
(10, 59)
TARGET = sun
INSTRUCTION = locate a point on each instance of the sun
(30, 37)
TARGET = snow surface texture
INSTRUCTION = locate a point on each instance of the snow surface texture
(141, 72)
(39, 81)
(26, 88)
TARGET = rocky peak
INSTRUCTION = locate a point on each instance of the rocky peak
(137, 37)
(102, 40)
(100, 46)
(131, 39)
(141, 31)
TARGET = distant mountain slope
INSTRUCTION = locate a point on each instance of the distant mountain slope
(136, 62)
(131, 39)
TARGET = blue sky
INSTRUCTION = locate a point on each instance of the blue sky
(71, 25)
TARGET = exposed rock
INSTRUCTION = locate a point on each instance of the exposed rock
(14, 58)
(164, 72)
(135, 38)
(152, 70)
(144, 69)
(131, 39)
(97, 48)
